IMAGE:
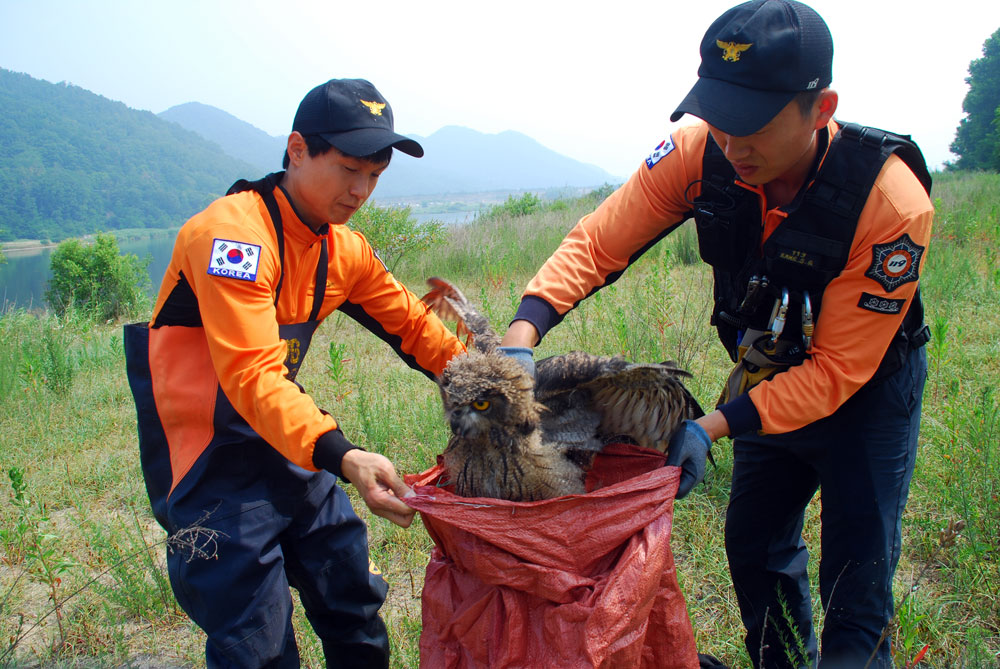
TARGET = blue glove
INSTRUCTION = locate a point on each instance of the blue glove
(688, 449)
(523, 355)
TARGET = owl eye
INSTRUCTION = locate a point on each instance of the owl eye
(481, 405)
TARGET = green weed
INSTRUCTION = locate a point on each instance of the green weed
(32, 545)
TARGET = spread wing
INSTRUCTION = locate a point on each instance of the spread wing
(644, 402)
(450, 304)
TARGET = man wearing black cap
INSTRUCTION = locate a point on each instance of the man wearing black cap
(815, 230)
(239, 462)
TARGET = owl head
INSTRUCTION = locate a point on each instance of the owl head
(481, 391)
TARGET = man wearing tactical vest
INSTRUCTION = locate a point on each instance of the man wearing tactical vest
(239, 461)
(815, 230)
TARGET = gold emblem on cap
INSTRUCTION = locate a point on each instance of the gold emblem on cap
(374, 107)
(732, 50)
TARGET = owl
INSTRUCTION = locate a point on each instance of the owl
(523, 439)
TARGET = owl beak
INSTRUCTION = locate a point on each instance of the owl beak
(461, 423)
(457, 427)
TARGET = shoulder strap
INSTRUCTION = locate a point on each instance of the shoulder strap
(887, 143)
(265, 187)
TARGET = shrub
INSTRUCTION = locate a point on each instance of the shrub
(601, 193)
(97, 279)
(394, 233)
(527, 204)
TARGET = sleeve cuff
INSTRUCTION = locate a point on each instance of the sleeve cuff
(329, 451)
(741, 414)
(539, 313)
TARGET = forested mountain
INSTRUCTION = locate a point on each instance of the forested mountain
(72, 162)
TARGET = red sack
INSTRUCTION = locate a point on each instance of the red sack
(576, 581)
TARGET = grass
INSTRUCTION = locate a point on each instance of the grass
(67, 425)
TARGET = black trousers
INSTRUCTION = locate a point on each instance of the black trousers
(312, 541)
(861, 459)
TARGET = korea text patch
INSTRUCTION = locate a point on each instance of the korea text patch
(661, 150)
(234, 260)
(895, 263)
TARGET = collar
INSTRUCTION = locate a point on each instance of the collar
(295, 228)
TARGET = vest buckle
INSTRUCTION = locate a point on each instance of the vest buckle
(807, 321)
(778, 315)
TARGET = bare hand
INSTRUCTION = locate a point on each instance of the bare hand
(376, 480)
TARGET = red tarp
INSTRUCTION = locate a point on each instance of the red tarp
(577, 581)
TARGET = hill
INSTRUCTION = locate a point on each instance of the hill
(73, 162)
(456, 159)
(461, 160)
(237, 138)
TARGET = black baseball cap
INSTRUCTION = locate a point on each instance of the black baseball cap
(353, 116)
(755, 59)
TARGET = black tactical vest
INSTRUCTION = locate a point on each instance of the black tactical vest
(807, 250)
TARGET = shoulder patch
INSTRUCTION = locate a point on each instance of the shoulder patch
(895, 263)
(881, 305)
(235, 260)
(662, 149)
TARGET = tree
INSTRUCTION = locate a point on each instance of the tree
(977, 140)
(393, 232)
(97, 279)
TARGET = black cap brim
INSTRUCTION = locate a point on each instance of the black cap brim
(733, 109)
(366, 141)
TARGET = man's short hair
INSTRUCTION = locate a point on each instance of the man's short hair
(807, 99)
(317, 146)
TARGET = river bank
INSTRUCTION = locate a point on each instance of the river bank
(28, 247)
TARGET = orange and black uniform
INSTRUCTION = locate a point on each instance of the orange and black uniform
(231, 443)
(822, 421)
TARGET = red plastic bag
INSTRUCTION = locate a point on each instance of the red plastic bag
(576, 581)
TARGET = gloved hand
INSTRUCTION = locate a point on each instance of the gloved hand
(523, 355)
(688, 449)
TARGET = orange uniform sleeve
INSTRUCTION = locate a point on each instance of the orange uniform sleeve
(850, 341)
(367, 292)
(602, 244)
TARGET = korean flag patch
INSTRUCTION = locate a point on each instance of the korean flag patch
(662, 149)
(236, 260)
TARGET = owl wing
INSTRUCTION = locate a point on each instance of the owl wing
(644, 402)
(571, 420)
(448, 302)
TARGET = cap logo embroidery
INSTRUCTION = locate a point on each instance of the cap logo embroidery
(813, 84)
(732, 50)
(374, 107)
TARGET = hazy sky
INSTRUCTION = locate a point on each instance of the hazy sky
(594, 81)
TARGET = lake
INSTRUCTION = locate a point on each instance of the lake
(23, 277)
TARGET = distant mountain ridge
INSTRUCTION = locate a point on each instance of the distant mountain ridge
(73, 163)
(461, 160)
(456, 159)
(237, 138)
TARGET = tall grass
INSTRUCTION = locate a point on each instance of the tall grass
(67, 424)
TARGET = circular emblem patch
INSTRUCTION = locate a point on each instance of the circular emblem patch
(895, 263)
(234, 256)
